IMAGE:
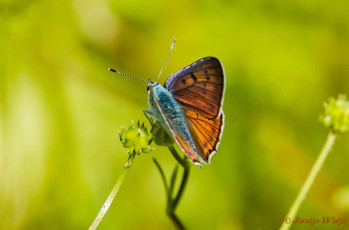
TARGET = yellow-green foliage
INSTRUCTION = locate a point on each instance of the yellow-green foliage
(60, 109)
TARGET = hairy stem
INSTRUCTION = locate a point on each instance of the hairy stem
(113, 193)
(309, 181)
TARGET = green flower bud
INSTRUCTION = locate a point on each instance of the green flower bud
(136, 138)
(336, 114)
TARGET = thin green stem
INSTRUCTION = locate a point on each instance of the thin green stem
(172, 203)
(177, 157)
(309, 181)
(171, 207)
(179, 225)
(173, 181)
(112, 194)
(162, 174)
(183, 184)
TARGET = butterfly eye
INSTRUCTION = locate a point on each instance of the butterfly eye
(148, 88)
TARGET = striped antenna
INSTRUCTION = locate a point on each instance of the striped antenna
(126, 75)
(163, 66)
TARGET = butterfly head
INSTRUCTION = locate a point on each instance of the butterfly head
(151, 85)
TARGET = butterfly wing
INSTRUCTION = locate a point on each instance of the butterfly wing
(199, 87)
(206, 133)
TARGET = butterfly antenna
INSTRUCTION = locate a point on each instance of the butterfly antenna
(126, 75)
(163, 66)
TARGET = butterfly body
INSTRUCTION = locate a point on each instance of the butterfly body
(189, 107)
(170, 115)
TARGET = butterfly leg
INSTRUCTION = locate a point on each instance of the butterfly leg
(149, 115)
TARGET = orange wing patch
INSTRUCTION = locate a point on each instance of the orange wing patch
(199, 88)
(189, 150)
(206, 133)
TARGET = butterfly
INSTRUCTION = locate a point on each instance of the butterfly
(189, 107)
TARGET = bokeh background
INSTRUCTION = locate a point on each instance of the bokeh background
(60, 110)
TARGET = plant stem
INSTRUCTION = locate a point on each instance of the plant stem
(179, 225)
(185, 164)
(178, 158)
(112, 194)
(162, 174)
(309, 181)
(172, 205)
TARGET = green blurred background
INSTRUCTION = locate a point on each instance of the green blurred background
(60, 110)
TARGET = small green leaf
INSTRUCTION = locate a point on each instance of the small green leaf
(148, 149)
(131, 132)
(122, 135)
(143, 141)
(128, 143)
